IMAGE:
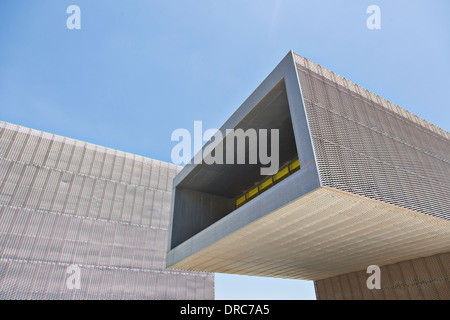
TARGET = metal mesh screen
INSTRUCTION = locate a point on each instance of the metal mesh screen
(65, 202)
(368, 146)
(423, 278)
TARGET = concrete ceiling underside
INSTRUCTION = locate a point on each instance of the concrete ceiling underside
(231, 180)
(322, 234)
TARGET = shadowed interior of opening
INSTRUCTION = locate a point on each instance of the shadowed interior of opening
(210, 192)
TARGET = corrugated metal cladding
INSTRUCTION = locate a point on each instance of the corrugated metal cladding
(417, 279)
(65, 202)
(368, 146)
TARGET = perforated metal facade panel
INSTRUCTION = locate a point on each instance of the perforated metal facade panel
(368, 146)
(423, 278)
(65, 202)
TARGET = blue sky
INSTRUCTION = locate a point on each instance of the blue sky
(137, 70)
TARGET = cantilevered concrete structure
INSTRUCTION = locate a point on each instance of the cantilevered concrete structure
(371, 187)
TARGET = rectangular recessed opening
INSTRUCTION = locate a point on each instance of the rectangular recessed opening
(212, 191)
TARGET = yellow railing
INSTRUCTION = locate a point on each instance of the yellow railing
(252, 193)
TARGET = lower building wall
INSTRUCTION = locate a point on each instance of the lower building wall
(80, 221)
(425, 278)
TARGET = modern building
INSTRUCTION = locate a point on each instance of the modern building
(361, 182)
(72, 209)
